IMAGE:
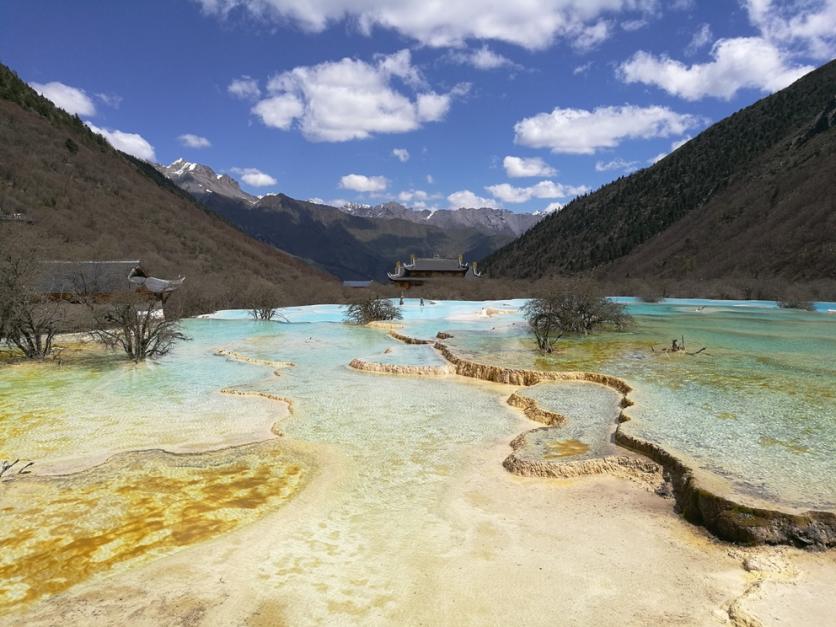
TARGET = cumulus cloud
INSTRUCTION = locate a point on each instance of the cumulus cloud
(533, 25)
(467, 199)
(739, 63)
(279, 111)
(701, 38)
(131, 143)
(363, 183)
(550, 208)
(579, 131)
(588, 37)
(543, 189)
(71, 99)
(518, 167)
(255, 177)
(194, 141)
(615, 164)
(401, 154)
(348, 99)
(111, 100)
(807, 27)
(413, 196)
(481, 58)
(674, 145)
(245, 88)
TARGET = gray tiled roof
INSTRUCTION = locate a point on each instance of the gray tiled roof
(436, 264)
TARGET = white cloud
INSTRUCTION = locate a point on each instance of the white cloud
(467, 199)
(588, 37)
(194, 141)
(413, 195)
(71, 99)
(809, 26)
(633, 25)
(430, 179)
(674, 145)
(481, 58)
(517, 167)
(550, 208)
(363, 183)
(351, 99)
(131, 143)
(530, 24)
(680, 142)
(615, 164)
(402, 154)
(579, 131)
(743, 62)
(279, 111)
(543, 189)
(245, 88)
(111, 100)
(702, 37)
(255, 177)
(582, 69)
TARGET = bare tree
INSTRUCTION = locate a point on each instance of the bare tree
(263, 298)
(574, 309)
(137, 326)
(28, 321)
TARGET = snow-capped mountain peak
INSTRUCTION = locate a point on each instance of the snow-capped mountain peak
(197, 178)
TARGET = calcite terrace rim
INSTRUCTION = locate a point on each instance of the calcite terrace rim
(728, 517)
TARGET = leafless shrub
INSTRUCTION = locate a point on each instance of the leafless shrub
(371, 310)
(576, 309)
(137, 326)
(28, 323)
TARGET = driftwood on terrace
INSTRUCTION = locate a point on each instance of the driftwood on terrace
(677, 346)
(6, 466)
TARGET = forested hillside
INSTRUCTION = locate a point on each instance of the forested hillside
(81, 199)
(751, 196)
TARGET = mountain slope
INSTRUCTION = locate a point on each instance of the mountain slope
(753, 195)
(200, 179)
(348, 246)
(86, 200)
(483, 219)
(339, 241)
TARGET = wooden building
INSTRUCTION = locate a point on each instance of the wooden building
(102, 281)
(425, 270)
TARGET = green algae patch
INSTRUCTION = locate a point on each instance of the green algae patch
(59, 531)
(794, 447)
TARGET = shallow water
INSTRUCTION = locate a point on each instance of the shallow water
(756, 408)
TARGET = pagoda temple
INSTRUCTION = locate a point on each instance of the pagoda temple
(423, 270)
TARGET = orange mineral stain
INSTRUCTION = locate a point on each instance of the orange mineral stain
(60, 531)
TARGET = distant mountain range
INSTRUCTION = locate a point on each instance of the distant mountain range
(752, 196)
(355, 241)
(81, 199)
(483, 219)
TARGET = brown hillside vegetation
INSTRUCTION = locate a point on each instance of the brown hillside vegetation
(752, 196)
(82, 199)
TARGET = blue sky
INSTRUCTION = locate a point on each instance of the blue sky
(521, 105)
